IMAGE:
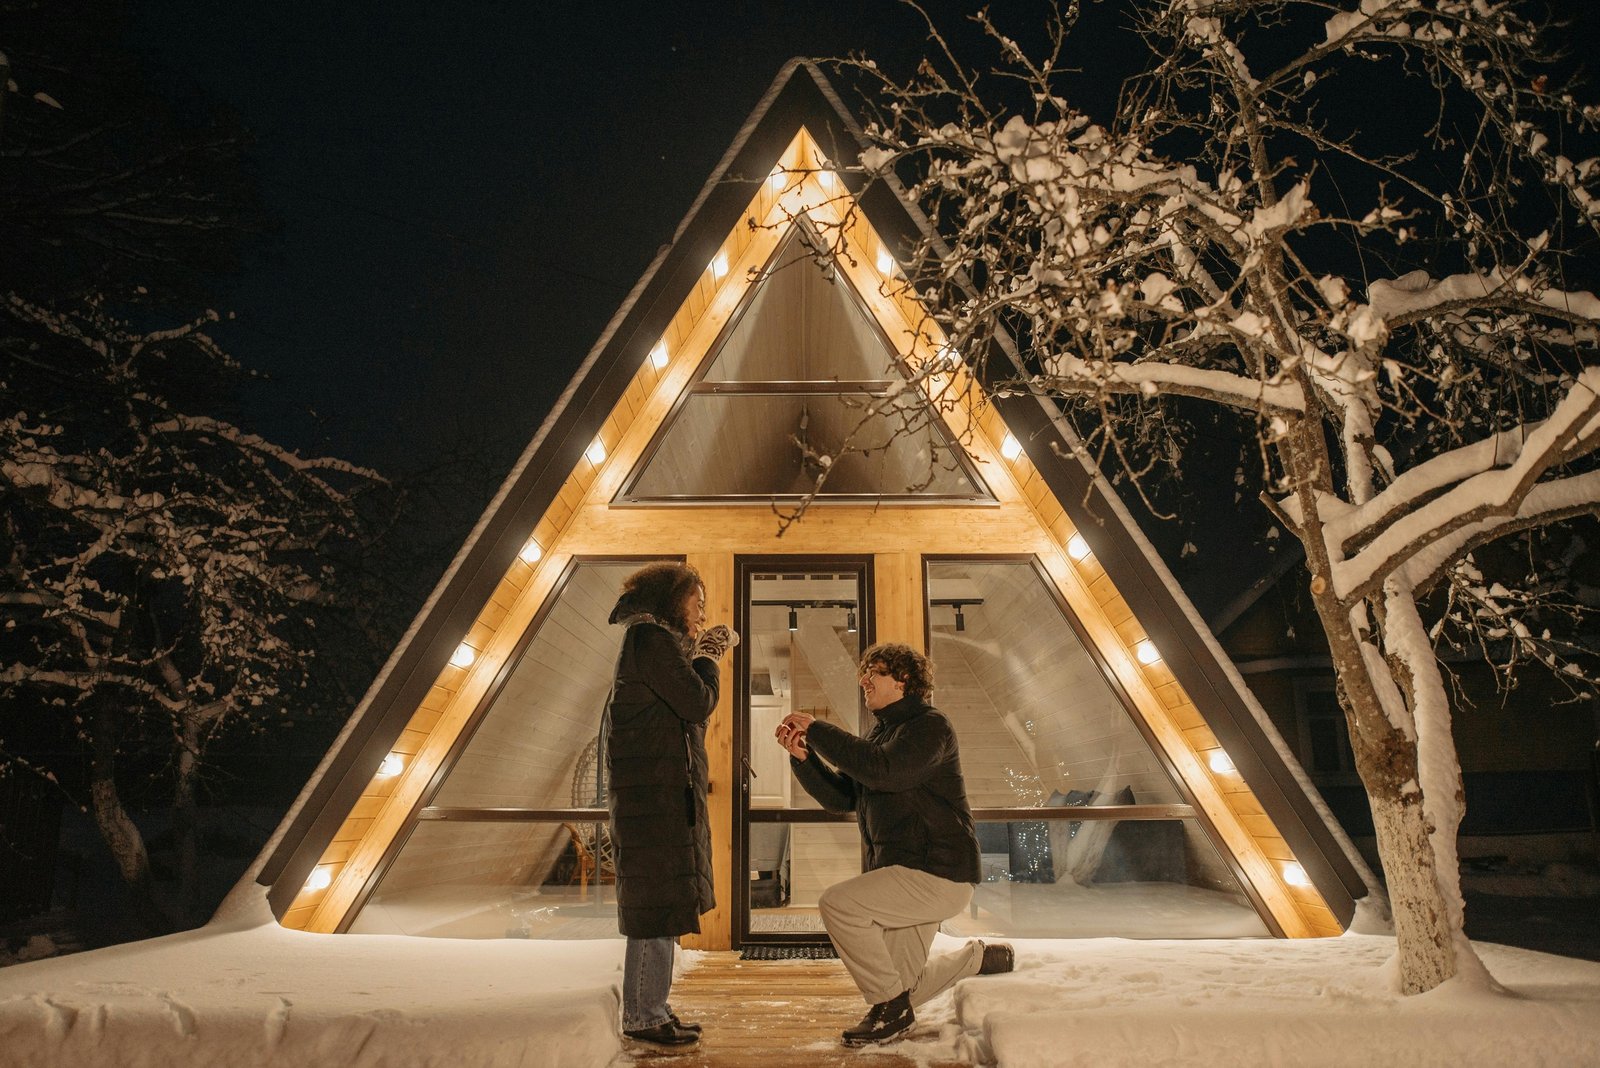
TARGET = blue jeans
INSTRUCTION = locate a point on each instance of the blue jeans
(646, 982)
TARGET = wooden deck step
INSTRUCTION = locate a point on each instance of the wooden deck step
(761, 1014)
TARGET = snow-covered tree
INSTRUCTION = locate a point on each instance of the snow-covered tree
(1355, 229)
(163, 573)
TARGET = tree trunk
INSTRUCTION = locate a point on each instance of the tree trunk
(1416, 668)
(1423, 938)
(120, 833)
(185, 818)
(1387, 761)
(1380, 715)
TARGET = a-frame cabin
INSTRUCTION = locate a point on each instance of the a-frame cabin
(1125, 781)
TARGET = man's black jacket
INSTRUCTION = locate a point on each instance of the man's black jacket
(903, 780)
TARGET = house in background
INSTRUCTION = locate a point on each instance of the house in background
(1529, 759)
(1125, 779)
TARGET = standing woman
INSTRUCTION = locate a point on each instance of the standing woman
(655, 730)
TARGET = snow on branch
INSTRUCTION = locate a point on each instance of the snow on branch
(1480, 498)
(1070, 374)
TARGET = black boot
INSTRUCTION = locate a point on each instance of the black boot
(673, 1018)
(997, 958)
(668, 1033)
(882, 1022)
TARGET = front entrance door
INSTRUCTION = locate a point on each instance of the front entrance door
(805, 623)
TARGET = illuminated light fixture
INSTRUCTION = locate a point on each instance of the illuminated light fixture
(885, 262)
(947, 357)
(850, 621)
(463, 656)
(827, 179)
(776, 180)
(1010, 448)
(531, 552)
(596, 452)
(1077, 548)
(1220, 762)
(1295, 875)
(719, 266)
(658, 355)
(961, 620)
(1147, 652)
(392, 765)
(794, 619)
(321, 879)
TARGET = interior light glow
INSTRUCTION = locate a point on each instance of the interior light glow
(719, 266)
(1220, 762)
(321, 879)
(827, 179)
(393, 764)
(776, 180)
(1010, 448)
(1147, 652)
(658, 355)
(531, 552)
(885, 262)
(1295, 875)
(596, 452)
(463, 656)
(1077, 548)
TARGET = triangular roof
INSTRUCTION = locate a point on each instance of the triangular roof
(1276, 818)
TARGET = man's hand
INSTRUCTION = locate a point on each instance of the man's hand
(792, 734)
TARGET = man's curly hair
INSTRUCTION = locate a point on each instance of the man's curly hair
(902, 663)
(660, 589)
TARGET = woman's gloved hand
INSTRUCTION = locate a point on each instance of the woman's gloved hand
(714, 642)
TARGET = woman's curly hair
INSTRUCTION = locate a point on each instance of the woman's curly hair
(902, 663)
(659, 589)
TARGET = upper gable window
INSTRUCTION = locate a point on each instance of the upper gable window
(801, 382)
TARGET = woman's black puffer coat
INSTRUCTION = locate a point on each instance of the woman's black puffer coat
(656, 764)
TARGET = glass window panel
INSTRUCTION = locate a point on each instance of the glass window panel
(1325, 748)
(790, 865)
(1038, 722)
(494, 880)
(802, 324)
(731, 445)
(1105, 878)
(811, 668)
(536, 745)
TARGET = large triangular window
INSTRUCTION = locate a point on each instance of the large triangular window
(801, 382)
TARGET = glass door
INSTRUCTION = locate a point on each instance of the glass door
(805, 622)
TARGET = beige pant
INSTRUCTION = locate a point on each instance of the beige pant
(883, 923)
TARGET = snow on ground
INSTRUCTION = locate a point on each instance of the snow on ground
(252, 993)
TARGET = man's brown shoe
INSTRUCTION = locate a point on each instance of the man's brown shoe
(997, 958)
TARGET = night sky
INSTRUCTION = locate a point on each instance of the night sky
(466, 192)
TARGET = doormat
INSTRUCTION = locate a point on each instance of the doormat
(788, 953)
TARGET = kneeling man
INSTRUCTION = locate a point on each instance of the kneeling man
(903, 781)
